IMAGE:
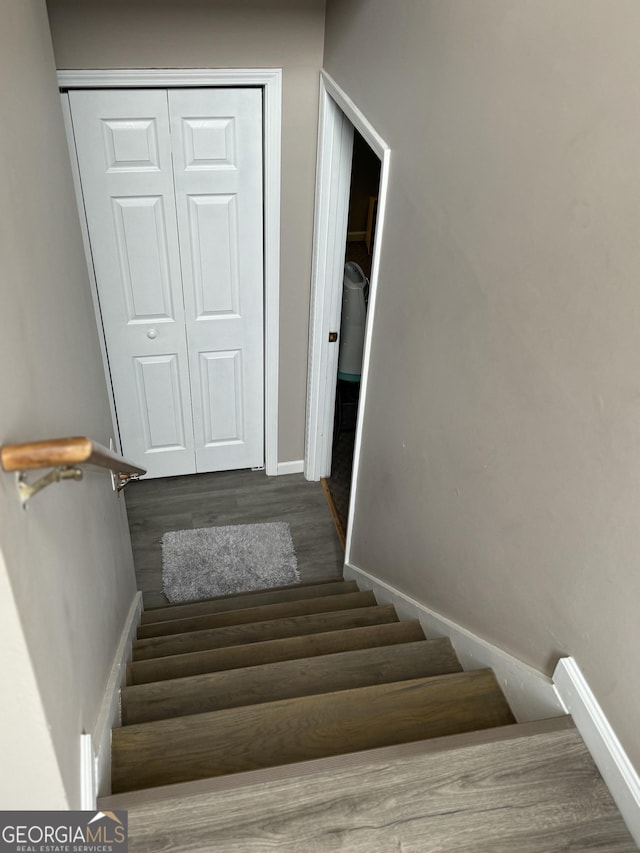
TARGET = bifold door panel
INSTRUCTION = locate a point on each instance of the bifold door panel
(172, 187)
(218, 181)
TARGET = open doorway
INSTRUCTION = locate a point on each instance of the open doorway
(340, 123)
(361, 226)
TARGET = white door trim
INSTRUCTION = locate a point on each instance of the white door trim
(270, 79)
(326, 289)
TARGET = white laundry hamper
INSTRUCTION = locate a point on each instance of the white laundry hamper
(354, 317)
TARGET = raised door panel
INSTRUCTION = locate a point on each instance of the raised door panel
(221, 388)
(124, 154)
(217, 141)
(160, 405)
(143, 256)
(213, 232)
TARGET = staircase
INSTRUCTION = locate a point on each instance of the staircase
(309, 716)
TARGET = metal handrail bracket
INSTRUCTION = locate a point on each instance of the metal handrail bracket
(124, 479)
(27, 490)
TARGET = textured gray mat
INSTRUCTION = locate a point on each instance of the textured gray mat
(212, 561)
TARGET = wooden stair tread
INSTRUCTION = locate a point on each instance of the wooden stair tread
(526, 792)
(256, 598)
(253, 632)
(287, 679)
(262, 613)
(271, 651)
(286, 731)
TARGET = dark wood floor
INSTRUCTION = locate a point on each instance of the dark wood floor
(230, 497)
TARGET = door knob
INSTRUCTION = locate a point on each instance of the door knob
(152, 333)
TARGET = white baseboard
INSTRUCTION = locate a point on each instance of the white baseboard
(607, 752)
(95, 748)
(88, 776)
(529, 692)
(295, 467)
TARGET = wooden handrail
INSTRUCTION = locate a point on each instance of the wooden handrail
(64, 452)
(64, 456)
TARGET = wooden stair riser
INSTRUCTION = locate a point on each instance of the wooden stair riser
(240, 739)
(272, 651)
(359, 762)
(274, 629)
(287, 679)
(305, 607)
(248, 599)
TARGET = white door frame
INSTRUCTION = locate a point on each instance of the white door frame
(270, 79)
(330, 235)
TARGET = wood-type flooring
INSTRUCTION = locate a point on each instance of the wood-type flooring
(521, 789)
(230, 497)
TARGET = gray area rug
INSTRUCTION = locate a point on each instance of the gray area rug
(211, 561)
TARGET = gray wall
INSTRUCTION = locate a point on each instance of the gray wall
(66, 575)
(500, 478)
(217, 34)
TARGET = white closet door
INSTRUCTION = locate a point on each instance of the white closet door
(217, 151)
(124, 154)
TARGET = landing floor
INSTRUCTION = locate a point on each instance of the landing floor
(230, 497)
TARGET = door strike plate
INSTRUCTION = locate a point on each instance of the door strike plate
(333, 337)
